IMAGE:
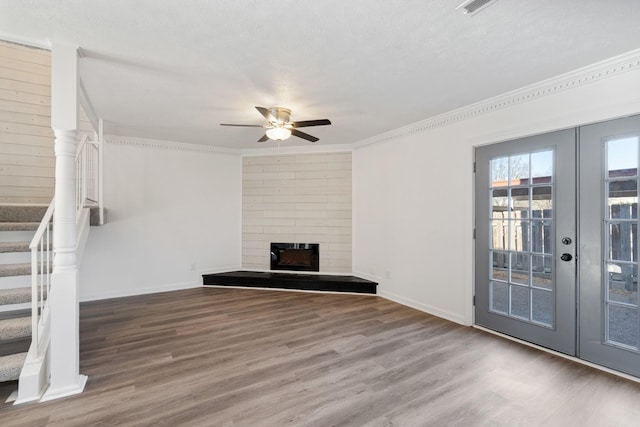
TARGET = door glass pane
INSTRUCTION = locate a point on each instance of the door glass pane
(542, 167)
(499, 203)
(621, 243)
(500, 172)
(520, 203)
(623, 199)
(541, 271)
(519, 170)
(521, 224)
(519, 236)
(499, 234)
(520, 268)
(623, 325)
(541, 202)
(541, 237)
(520, 301)
(542, 306)
(500, 297)
(500, 266)
(622, 157)
(623, 283)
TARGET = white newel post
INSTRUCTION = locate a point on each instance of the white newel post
(64, 349)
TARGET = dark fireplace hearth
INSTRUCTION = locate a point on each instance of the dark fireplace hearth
(295, 256)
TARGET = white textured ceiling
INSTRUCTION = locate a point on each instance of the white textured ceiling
(174, 70)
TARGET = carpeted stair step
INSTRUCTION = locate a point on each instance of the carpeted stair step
(8, 247)
(12, 329)
(15, 296)
(19, 226)
(22, 269)
(11, 365)
(94, 215)
(14, 253)
(22, 213)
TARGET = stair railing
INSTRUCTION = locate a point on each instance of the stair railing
(87, 173)
(41, 267)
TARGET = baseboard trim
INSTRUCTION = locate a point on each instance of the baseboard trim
(66, 391)
(423, 307)
(140, 291)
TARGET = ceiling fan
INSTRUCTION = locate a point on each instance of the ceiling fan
(279, 127)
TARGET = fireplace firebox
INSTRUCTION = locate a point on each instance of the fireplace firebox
(295, 256)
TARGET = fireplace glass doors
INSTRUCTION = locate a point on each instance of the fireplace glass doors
(295, 256)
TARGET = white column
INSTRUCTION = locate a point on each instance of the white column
(64, 349)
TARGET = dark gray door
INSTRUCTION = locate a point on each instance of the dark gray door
(608, 273)
(525, 279)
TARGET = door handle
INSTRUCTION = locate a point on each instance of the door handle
(566, 257)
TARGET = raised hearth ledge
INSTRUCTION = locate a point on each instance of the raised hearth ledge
(293, 281)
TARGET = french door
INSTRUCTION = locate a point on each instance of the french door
(525, 210)
(608, 275)
(556, 241)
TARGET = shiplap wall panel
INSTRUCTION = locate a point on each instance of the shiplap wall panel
(26, 139)
(27, 157)
(27, 88)
(25, 150)
(25, 54)
(23, 129)
(23, 107)
(33, 171)
(30, 67)
(24, 76)
(302, 198)
(10, 160)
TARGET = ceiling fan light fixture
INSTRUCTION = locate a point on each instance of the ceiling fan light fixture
(278, 133)
(279, 127)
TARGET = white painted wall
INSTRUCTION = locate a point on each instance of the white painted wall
(413, 189)
(173, 213)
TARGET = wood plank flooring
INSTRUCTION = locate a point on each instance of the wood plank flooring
(242, 357)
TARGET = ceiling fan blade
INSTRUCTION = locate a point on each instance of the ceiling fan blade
(264, 138)
(304, 135)
(266, 114)
(307, 123)
(244, 126)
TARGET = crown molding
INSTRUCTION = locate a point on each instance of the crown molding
(582, 76)
(158, 144)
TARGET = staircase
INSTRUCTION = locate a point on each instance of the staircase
(18, 225)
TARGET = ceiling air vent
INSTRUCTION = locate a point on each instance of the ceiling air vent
(473, 6)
